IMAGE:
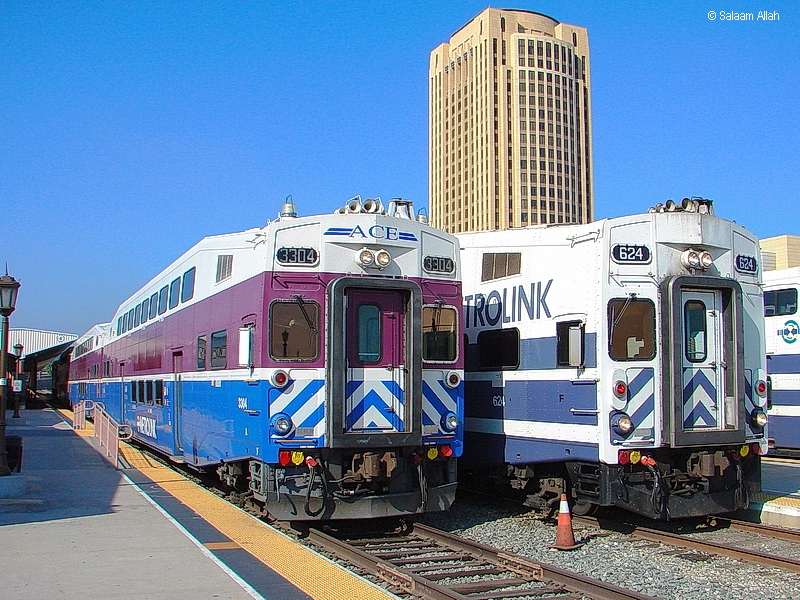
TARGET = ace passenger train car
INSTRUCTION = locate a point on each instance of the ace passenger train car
(314, 363)
(620, 360)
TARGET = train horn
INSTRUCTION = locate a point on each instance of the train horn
(373, 205)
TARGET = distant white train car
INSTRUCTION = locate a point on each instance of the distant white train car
(783, 357)
(621, 361)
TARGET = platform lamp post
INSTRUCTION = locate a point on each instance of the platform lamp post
(8, 301)
(17, 393)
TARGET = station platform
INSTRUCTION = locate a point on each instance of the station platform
(779, 501)
(72, 526)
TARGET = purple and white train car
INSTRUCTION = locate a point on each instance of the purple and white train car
(314, 363)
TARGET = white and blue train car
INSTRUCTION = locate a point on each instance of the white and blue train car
(619, 361)
(783, 357)
(314, 363)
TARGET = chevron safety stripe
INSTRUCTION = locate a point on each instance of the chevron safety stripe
(304, 402)
(699, 400)
(437, 400)
(374, 405)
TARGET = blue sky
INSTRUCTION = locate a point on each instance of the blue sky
(130, 130)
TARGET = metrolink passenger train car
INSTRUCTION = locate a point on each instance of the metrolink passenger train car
(620, 361)
(783, 358)
(314, 363)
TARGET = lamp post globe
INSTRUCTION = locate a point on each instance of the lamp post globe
(8, 302)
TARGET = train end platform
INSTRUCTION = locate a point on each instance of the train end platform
(72, 526)
(779, 501)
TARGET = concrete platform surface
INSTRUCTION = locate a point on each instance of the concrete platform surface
(81, 529)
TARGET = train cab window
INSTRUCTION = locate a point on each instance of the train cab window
(153, 306)
(201, 352)
(294, 330)
(162, 300)
(780, 302)
(570, 337)
(187, 287)
(369, 333)
(631, 329)
(174, 292)
(439, 333)
(219, 349)
(498, 349)
(694, 329)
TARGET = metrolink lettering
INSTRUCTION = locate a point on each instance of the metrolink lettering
(378, 232)
(508, 305)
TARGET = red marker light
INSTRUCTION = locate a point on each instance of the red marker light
(446, 450)
(620, 389)
(284, 457)
(624, 457)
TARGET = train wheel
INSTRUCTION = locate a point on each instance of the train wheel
(584, 509)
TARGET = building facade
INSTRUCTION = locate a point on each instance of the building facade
(510, 141)
(780, 252)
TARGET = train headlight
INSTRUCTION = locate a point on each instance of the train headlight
(452, 379)
(365, 257)
(279, 378)
(449, 422)
(621, 424)
(690, 259)
(281, 424)
(758, 418)
(383, 259)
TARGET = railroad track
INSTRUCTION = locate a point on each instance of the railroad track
(436, 565)
(683, 540)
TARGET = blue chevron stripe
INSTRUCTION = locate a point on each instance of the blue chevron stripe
(306, 394)
(699, 409)
(370, 400)
(698, 380)
(699, 412)
(644, 377)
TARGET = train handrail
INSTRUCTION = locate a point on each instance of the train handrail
(106, 430)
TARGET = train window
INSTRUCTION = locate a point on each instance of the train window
(130, 319)
(294, 330)
(148, 388)
(107, 368)
(780, 302)
(570, 344)
(137, 315)
(158, 391)
(120, 326)
(219, 349)
(187, 287)
(174, 292)
(224, 266)
(498, 349)
(500, 264)
(162, 300)
(201, 352)
(145, 309)
(632, 329)
(369, 333)
(439, 333)
(153, 306)
(694, 330)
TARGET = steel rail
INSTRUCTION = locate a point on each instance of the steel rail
(416, 563)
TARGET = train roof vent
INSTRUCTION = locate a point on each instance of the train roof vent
(399, 207)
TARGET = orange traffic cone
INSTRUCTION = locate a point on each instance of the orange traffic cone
(565, 537)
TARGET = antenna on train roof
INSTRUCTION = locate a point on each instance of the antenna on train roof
(288, 211)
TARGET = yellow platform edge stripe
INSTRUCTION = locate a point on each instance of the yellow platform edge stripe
(314, 574)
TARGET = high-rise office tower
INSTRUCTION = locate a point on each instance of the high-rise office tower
(510, 124)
